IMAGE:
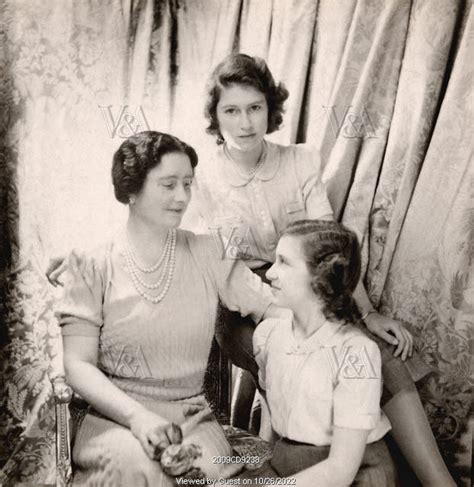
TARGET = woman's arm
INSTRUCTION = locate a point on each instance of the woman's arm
(266, 431)
(80, 363)
(340, 468)
(381, 325)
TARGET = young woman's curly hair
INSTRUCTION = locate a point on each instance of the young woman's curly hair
(333, 258)
(250, 71)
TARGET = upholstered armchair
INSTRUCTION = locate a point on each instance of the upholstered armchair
(70, 409)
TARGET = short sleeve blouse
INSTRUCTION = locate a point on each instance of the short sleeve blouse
(80, 311)
(333, 378)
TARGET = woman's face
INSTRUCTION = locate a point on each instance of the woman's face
(242, 113)
(289, 275)
(166, 192)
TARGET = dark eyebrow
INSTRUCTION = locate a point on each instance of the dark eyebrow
(255, 102)
(174, 178)
(260, 100)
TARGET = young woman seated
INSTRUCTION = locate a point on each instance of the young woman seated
(321, 373)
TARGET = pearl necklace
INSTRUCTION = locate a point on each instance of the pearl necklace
(155, 266)
(169, 256)
(247, 174)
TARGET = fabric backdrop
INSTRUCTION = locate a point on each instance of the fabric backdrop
(383, 88)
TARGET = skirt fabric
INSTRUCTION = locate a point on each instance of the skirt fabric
(290, 457)
(107, 454)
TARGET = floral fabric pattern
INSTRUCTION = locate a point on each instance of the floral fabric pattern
(383, 89)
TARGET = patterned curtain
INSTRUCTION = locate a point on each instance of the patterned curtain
(383, 88)
(63, 61)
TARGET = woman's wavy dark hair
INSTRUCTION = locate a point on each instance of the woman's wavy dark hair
(250, 71)
(333, 257)
(138, 155)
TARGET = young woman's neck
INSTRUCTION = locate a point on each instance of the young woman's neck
(307, 319)
(246, 159)
(147, 240)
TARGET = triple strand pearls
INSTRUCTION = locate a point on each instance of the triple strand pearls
(153, 268)
(168, 256)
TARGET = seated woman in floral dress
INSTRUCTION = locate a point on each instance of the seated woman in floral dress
(138, 318)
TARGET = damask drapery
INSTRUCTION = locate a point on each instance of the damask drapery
(382, 88)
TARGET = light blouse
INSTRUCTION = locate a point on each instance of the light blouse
(156, 351)
(246, 215)
(333, 378)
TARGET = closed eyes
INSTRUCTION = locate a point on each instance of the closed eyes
(187, 184)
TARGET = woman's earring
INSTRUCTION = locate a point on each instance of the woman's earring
(132, 200)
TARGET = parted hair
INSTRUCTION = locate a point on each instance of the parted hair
(138, 155)
(250, 71)
(333, 258)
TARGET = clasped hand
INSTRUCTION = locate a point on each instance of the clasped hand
(154, 432)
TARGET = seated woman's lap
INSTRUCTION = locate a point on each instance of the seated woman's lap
(377, 468)
(106, 453)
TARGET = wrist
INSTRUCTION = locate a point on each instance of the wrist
(367, 314)
(134, 415)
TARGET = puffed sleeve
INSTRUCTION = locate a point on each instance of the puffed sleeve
(308, 170)
(359, 385)
(238, 287)
(260, 340)
(79, 311)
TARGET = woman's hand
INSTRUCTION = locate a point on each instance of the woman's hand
(381, 326)
(56, 266)
(154, 432)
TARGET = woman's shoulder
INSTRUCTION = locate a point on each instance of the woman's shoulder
(351, 336)
(304, 158)
(93, 260)
(195, 239)
(272, 326)
(201, 244)
(292, 150)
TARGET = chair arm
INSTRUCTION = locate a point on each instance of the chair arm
(62, 393)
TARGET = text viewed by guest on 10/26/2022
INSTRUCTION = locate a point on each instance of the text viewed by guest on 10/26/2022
(238, 481)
